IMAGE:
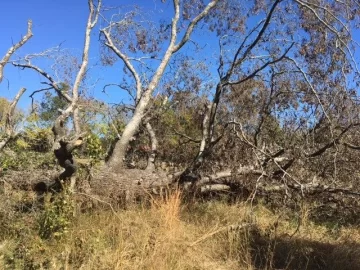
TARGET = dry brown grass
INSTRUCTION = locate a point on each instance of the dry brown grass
(170, 234)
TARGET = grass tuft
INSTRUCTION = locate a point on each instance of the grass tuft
(171, 234)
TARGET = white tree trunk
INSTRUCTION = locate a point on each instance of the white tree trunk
(116, 161)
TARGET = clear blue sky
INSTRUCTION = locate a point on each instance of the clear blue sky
(54, 21)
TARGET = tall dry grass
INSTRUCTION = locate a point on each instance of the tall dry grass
(171, 234)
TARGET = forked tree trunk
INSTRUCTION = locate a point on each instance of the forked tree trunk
(116, 161)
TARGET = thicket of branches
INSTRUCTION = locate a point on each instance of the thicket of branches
(274, 108)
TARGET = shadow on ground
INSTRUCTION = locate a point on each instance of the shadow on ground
(298, 254)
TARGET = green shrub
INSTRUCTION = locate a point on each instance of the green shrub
(24, 160)
(57, 215)
(94, 148)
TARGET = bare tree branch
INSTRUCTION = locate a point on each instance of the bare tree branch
(193, 23)
(333, 142)
(255, 72)
(237, 62)
(15, 47)
(352, 146)
(125, 59)
(186, 137)
(92, 20)
(47, 76)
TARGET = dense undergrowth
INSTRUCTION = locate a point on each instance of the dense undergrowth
(168, 233)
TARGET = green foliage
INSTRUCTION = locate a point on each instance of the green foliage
(31, 149)
(57, 215)
(50, 104)
(23, 160)
(29, 256)
(38, 139)
(181, 117)
(94, 148)
(4, 108)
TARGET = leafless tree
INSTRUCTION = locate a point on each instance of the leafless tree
(63, 145)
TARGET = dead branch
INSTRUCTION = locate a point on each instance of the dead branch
(14, 48)
(52, 83)
(311, 188)
(220, 176)
(214, 187)
(352, 146)
(189, 139)
(334, 142)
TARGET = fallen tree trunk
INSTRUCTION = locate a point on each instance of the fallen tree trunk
(105, 182)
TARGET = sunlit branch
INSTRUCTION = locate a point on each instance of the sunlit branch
(15, 47)
(311, 87)
(109, 43)
(47, 76)
(236, 61)
(192, 24)
(254, 73)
